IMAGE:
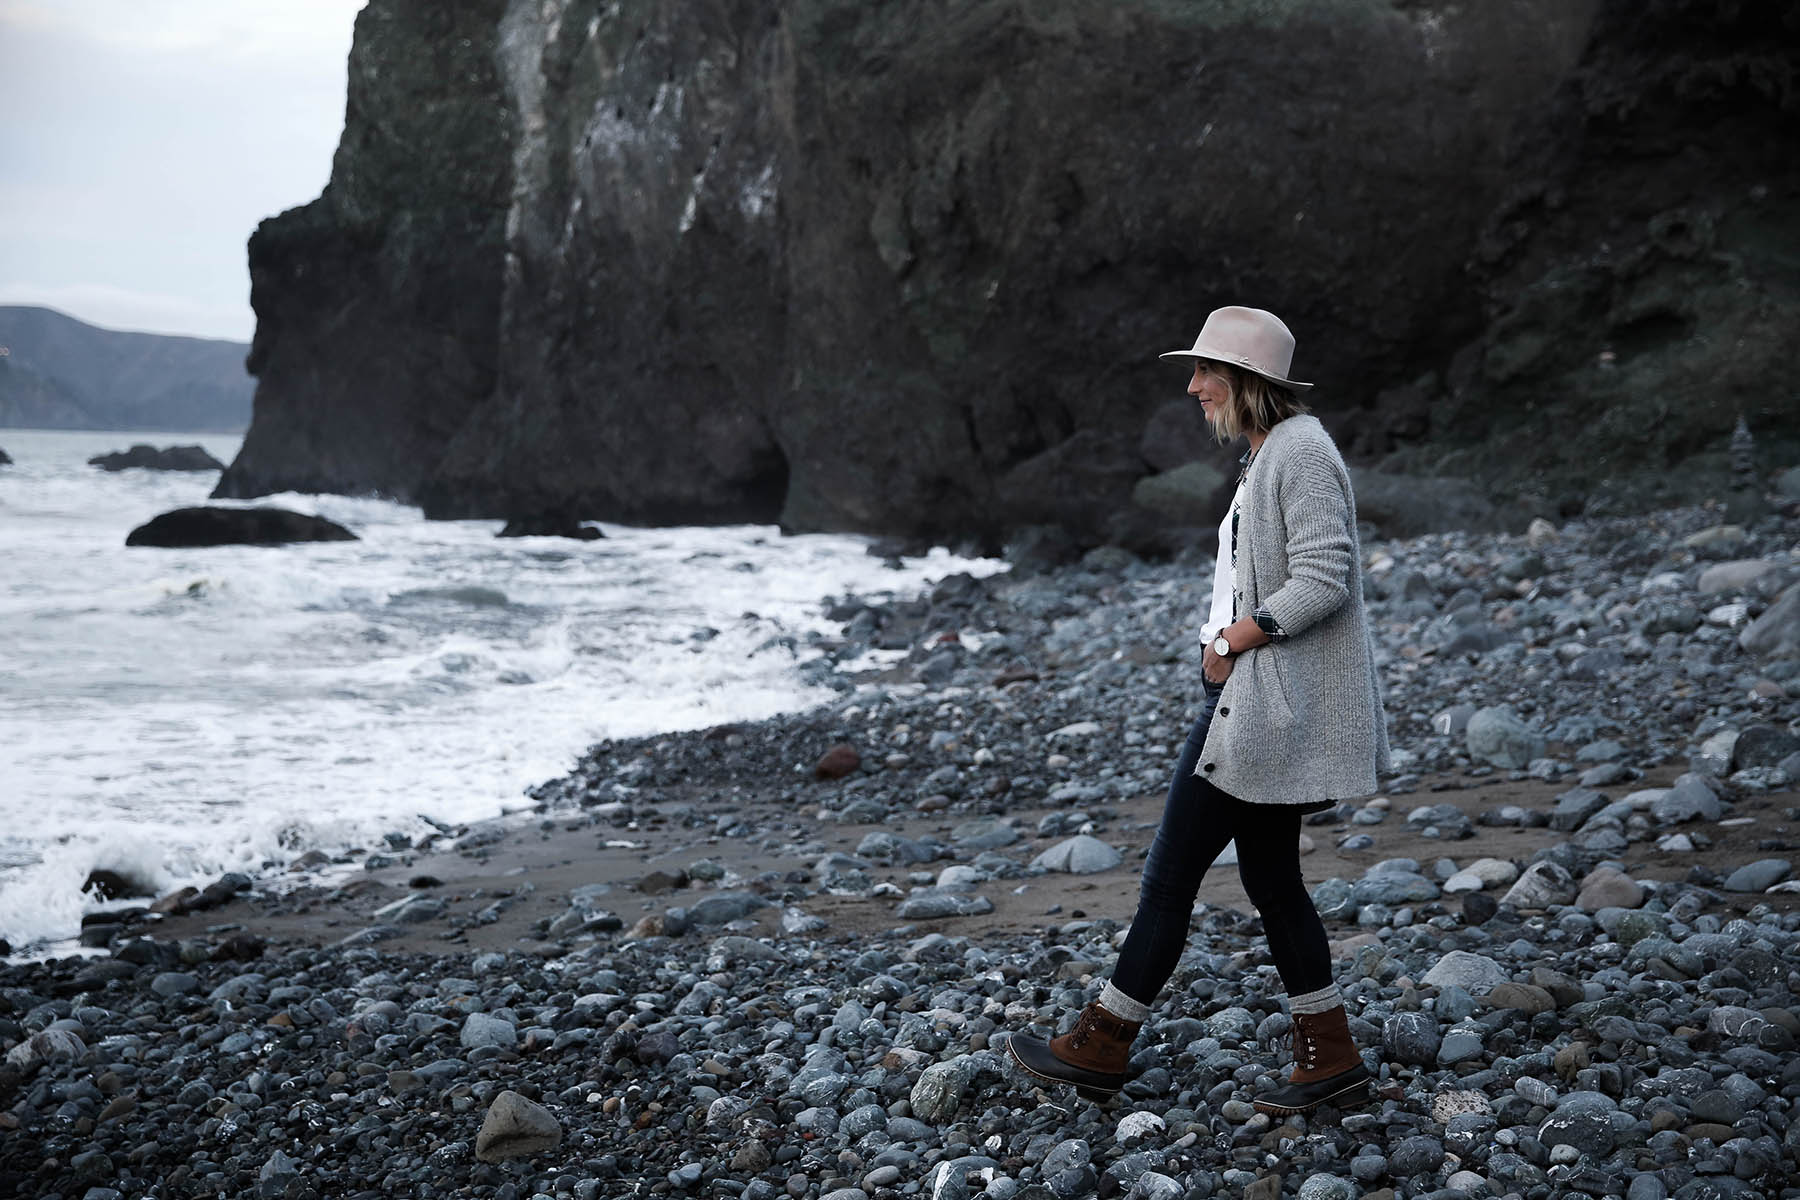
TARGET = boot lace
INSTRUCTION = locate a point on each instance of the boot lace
(1084, 1029)
(1304, 1046)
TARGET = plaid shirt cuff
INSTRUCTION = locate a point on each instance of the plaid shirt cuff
(1267, 623)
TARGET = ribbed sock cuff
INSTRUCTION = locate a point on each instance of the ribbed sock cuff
(1323, 1000)
(1122, 1006)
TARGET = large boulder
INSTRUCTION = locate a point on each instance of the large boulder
(210, 526)
(550, 524)
(5, 460)
(1776, 633)
(170, 458)
(1405, 506)
(1191, 494)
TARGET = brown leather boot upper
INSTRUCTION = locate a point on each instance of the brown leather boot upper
(1322, 1046)
(1100, 1042)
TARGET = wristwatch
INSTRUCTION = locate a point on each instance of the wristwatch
(1221, 647)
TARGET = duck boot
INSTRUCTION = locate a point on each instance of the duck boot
(1327, 1067)
(1091, 1056)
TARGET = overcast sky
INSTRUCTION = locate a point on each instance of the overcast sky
(142, 140)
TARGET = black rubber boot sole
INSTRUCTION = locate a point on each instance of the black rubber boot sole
(1349, 1087)
(1034, 1057)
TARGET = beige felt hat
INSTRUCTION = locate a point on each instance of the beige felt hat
(1251, 338)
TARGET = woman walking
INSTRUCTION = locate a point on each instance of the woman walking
(1291, 722)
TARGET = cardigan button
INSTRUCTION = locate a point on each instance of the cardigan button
(1209, 766)
(1224, 712)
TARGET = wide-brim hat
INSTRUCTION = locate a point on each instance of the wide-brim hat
(1251, 338)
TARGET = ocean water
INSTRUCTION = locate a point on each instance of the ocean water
(174, 714)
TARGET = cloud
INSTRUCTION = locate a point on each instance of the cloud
(231, 27)
(139, 312)
(145, 141)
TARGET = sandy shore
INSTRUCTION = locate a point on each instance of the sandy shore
(534, 863)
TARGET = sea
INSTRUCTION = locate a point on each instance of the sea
(171, 715)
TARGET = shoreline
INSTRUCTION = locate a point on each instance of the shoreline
(708, 962)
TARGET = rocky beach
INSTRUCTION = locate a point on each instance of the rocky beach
(779, 959)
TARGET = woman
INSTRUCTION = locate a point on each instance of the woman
(1291, 722)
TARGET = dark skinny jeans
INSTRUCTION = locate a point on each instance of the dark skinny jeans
(1198, 820)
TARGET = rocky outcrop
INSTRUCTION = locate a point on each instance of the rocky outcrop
(5, 459)
(211, 526)
(905, 268)
(550, 524)
(1638, 278)
(170, 458)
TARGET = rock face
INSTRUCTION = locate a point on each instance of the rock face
(235, 526)
(171, 458)
(881, 267)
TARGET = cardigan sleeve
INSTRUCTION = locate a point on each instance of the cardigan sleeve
(1315, 509)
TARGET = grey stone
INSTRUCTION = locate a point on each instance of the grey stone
(882, 846)
(1589, 1130)
(1474, 973)
(480, 1029)
(1394, 887)
(1605, 750)
(1415, 1156)
(1460, 1044)
(277, 1165)
(1496, 735)
(1690, 799)
(1329, 1187)
(174, 983)
(1453, 720)
(1758, 876)
(1079, 855)
(1657, 617)
(724, 907)
(46, 1045)
(1541, 885)
(1335, 899)
(1764, 745)
(515, 1127)
(1183, 495)
(1071, 1152)
(984, 833)
(1717, 1106)
(1151, 1185)
(1574, 807)
(1411, 1037)
(1606, 887)
(940, 1088)
(932, 903)
(1604, 775)
(1775, 634)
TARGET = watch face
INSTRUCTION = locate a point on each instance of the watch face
(1221, 647)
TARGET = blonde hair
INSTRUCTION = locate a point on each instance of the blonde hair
(1253, 405)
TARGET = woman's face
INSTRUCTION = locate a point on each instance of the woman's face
(1209, 387)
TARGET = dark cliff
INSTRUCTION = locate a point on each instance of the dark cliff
(905, 267)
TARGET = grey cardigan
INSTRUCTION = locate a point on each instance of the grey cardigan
(1300, 719)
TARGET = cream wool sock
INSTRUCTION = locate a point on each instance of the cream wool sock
(1122, 1006)
(1313, 1003)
